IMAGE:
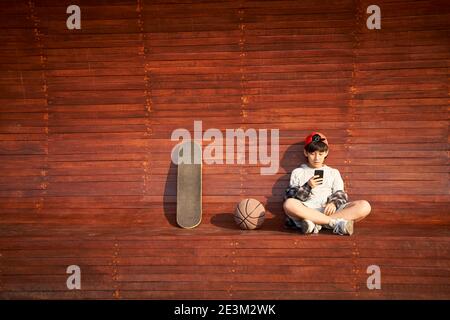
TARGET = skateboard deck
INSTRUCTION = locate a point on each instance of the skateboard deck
(189, 185)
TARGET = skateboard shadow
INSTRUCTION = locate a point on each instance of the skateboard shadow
(170, 195)
(170, 189)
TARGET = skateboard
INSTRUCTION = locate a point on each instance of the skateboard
(189, 185)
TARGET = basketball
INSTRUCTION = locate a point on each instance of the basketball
(249, 214)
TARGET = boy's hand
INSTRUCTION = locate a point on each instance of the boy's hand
(330, 208)
(315, 181)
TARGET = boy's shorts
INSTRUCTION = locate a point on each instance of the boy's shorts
(295, 221)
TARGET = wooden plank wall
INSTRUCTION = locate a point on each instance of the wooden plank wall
(86, 118)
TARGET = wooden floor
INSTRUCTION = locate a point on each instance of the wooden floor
(212, 262)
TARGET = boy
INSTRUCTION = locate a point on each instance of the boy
(312, 202)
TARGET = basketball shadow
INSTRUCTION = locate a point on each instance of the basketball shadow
(224, 220)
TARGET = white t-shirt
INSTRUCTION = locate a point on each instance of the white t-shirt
(332, 182)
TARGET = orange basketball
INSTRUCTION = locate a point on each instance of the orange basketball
(249, 214)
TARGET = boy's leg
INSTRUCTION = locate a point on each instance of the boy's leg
(355, 211)
(294, 207)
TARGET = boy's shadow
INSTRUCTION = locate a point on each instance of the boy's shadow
(292, 158)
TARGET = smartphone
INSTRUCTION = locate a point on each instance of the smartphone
(318, 173)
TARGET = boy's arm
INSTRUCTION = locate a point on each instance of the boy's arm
(296, 190)
(301, 193)
(339, 196)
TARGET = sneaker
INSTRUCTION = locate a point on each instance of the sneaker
(327, 226)
(343, 227)
(307, 227)
(289, 224)
(317, 228)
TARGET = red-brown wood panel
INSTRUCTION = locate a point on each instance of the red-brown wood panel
(86, 118)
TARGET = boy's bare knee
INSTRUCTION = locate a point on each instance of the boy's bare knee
(365, 208)
(287, 205)
(290, 205)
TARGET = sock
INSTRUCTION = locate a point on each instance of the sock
(317, 228)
